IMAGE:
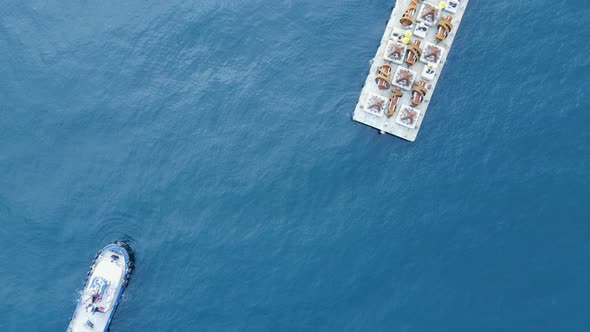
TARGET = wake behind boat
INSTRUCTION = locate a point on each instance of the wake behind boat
(105, 282)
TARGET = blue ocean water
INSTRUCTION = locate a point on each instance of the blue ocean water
(215, 136)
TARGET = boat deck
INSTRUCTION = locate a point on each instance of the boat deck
(407, 120)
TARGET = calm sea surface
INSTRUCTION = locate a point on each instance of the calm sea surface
(215, 136)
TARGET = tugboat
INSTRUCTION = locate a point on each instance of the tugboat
(105, 282)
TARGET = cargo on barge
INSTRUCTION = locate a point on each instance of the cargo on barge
(407, 66)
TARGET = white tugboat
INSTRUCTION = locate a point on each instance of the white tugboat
(105, 282)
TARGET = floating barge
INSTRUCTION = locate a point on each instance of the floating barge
(407, 65)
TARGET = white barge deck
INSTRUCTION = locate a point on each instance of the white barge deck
(405, 119)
